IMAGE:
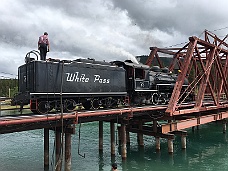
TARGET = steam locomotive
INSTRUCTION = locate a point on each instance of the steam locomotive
(65, 84)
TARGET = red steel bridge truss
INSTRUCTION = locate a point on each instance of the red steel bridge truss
(205, 64)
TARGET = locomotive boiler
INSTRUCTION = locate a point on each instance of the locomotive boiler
(147, 85)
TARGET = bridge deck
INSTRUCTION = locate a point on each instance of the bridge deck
(188, 117)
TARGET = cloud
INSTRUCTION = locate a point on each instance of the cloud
(186, 17)
(102, 29)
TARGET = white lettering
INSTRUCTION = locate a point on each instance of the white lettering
(86, 80)
(76, 77)
(97, 78)
(69, 77)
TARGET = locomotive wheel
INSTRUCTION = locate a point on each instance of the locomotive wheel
(87, 104)
(164, 98)
(114, 103)
(155, 98)
(95, 104)
(57, 105)
(107, 102)
(44, 107)
(69, 105)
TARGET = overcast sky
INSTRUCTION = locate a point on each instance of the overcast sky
(103, 29)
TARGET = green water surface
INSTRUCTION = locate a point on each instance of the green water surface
(207, 149)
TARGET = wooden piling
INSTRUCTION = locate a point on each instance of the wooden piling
(101, 135)
(157, 143)
(46, 149)
(57, 151)
(140, 135)
(119, 134)
(183, 141)
(193, 129)
(112, 133)
(170, 146)
(197, 127)
(155, 125)
(224, 127)
(123, 140)
(67, 152)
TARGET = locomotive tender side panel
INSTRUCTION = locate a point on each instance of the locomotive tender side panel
(89, 78)
(22, 78)
(79, 78)
(26, 77)
(47, 76)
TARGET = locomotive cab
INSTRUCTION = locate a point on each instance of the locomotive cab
(137, 75)
(137, 81)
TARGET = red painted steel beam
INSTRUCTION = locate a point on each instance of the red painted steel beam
(209, 45)
(221, 70)
(223, 76)
(171, 51)
(226, 72)
(172, 65)
(180, 80)
(210, 75)
(188, 123)
(199, 109)
(159, 60)
(176, 57)
(150, 133)
(204, 81)
(34, 119)
(76, 115)
(216, 38)
(151, 56)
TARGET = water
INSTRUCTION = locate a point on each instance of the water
(206, 150)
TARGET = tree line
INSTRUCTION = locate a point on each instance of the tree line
(8, 87)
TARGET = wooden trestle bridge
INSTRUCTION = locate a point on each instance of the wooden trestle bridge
(203, 62)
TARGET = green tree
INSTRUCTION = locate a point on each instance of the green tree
(8, 87)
